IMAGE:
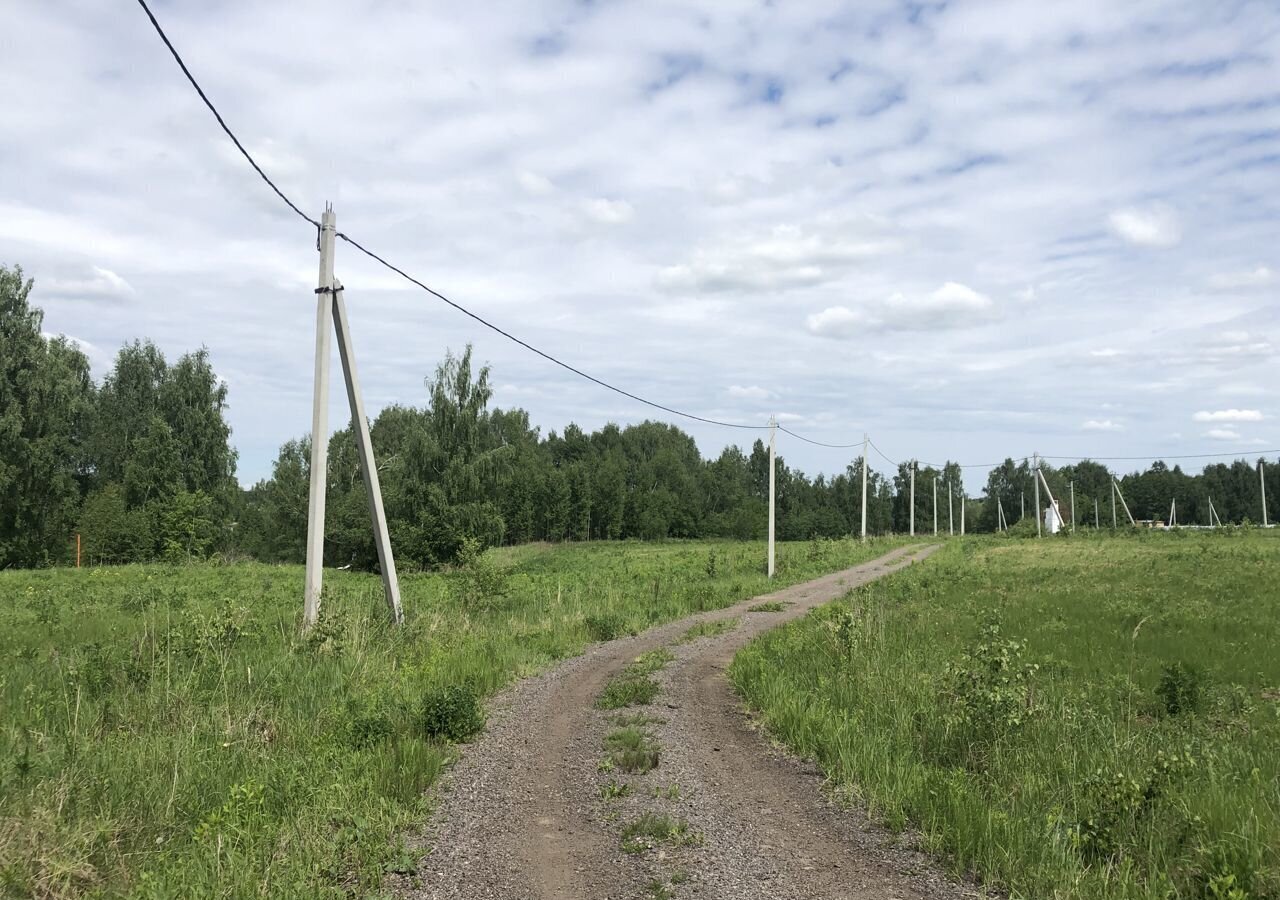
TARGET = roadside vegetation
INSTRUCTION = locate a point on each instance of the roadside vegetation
(166, 731)
(1072, 718)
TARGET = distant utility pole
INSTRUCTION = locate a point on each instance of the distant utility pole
(913, 498)
(1073, 507)
(1113, 504)
(773, 434)
(951, 514)
(1262, 478)
(331, 315)
(1097, 523)
(1022, 514)
(962, 506)
(1000, 523)
(1035, 476)
(1119, 493)
(865, 441)
(935, 505)
(1173, 512)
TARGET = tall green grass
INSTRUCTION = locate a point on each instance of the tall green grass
(1069, 718)
(167, 732)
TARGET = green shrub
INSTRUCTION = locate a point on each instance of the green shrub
(604, 627)
(1181, 689)
(451, 713)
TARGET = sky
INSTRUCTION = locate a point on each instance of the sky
(970, 229)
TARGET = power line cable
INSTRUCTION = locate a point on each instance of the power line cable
(207, 102)
(369, 253)
(1157, 457)
(801, 437)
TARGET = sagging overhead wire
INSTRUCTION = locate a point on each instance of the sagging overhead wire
(403, 274)
(801, 437)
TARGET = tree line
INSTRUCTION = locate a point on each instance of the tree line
(142, 467)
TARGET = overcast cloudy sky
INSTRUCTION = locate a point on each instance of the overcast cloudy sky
(973, 229)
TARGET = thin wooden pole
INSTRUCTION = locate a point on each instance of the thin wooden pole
(319, 424)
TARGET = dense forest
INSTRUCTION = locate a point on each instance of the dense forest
(142, 467)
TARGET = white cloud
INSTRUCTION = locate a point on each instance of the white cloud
(1223, 434)
(608, 212)
(98, 282)
(787, 256)
(953, 305)
(535, 184)
(1101, 425)
(1228, 415)
(1242, 280)
(1152, 226)
(1105, 353)
(749, 392)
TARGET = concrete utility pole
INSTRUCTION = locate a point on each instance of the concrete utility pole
(935, 505)
(1119, 493)
(963, 504)
(1262, 478)
(865, 440)
(1113, 504)
(320, 424)
(1173, 512)
(331, 313)
(1097, 523)
(1073, 507)
(1022, 514)
(1000, 523)
(1035, 477)
(773, 433)
(913, 498)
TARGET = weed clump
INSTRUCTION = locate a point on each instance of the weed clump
(631, 750)
(604, 627)
(652, 830)
(769, 606)
(633, 686)
(1181, 689)
(451, 713)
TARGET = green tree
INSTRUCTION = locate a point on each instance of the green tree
(46, 399)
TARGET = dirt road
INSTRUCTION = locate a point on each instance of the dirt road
(522, 817)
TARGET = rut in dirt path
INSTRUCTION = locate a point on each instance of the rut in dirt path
(521, 816)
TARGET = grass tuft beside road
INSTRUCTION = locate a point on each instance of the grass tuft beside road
(1070, 718)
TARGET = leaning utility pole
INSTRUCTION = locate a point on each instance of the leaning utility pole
(913, 498)
(773, 433)
(331, 314)
(865, 440)
(1116, 485)
(1035, 477)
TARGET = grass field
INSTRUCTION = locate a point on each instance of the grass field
(1084, 718)
(166, 731)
